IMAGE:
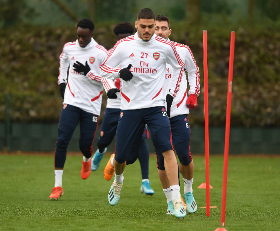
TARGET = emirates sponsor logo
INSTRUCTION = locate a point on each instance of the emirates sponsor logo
(145, 70)
(91, 60)
(74, 72)
(156, 55)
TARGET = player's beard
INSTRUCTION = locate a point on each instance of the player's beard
(146, 39)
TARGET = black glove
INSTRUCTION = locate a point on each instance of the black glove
(169, 100)
(111, 94)
(62, 87)
(125, 74)
(81, 68)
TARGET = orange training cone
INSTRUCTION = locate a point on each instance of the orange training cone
(220, 229)
(203, 185)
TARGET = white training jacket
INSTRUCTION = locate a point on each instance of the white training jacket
(115, 103)
(82, 91)
(179, 106)
(148, 59)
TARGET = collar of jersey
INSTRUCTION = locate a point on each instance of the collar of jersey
(90, 45)
(136, 37)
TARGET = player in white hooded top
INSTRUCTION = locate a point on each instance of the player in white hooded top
(109, 128)
(82, 95)
(179, 116)
(139, 61)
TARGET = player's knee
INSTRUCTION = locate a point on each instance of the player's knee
(183, 152)
(160, 162)
(62, 143)
(130, 160)
(120, 159)
(162, 139)
(185, 159)
(160, 166)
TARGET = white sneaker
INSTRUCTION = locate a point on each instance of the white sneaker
(179, 210)
(190, 201)
(114, 193)
(170, 208)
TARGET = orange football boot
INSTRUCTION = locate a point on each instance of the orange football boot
(184, 204)
(86, 169)
(56, 193)
(109, 169)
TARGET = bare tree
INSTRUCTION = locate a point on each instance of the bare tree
(251, 6)
(193, 11)
(66, 10)
(91, 7)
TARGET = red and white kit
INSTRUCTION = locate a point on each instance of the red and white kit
(178, 106)
(82, 91)
(115, 103)
(148, 60)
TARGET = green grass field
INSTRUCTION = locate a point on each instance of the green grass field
(253, 201)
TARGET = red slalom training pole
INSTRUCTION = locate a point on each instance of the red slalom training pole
(230, 74)
(205, 68)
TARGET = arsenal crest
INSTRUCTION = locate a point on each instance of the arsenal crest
(91, 60)
(156, 55)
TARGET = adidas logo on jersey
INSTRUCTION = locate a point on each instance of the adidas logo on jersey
(73, 58)
(132, 55)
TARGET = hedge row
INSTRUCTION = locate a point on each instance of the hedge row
(30, 61)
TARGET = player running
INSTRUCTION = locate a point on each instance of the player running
(139, 60)
(82, 96)
(109, 127)
(179, 121)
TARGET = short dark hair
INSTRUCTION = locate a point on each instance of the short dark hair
(146, 13)
(123, 28)
(86, 24)
(161, 18)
